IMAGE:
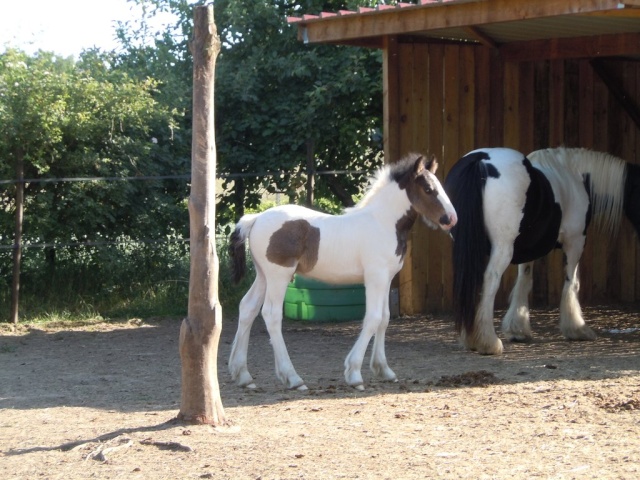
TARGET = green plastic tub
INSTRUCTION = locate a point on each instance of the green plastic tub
(315, 301)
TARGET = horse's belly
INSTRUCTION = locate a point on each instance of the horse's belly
(540, 224)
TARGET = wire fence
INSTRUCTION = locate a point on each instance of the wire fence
(185, 176)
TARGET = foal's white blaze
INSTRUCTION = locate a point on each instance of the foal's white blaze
(364, 245)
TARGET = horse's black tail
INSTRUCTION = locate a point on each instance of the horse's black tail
(237, 251)
(464, 186)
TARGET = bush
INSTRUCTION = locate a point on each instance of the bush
(127, 280)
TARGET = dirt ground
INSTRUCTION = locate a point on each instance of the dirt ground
(97, 402)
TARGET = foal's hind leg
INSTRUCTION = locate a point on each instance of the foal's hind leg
(484, 338)
(249, 308)
(572, 324)
(515, 324)
(272, 314)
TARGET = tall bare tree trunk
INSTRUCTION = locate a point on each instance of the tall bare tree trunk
(17, 242)
(200, 331)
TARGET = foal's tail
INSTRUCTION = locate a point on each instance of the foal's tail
(464, 185)
(237, 251)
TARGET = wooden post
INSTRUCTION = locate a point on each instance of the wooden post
(311, 168)
(17, 242)
(200, 331)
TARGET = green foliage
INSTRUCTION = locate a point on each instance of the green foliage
(277, 97)
(128, 113)
(70, 120)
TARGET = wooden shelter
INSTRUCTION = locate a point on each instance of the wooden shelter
(526, 74)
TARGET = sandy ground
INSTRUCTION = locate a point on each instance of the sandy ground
(97, 402)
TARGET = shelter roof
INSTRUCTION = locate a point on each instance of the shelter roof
(519, 28)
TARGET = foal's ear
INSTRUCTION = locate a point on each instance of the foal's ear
(432, 164)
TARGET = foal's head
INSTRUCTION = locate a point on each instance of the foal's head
(425, 192)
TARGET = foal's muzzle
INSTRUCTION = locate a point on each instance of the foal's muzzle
(448, 221)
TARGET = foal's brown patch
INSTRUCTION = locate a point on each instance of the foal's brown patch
(403, 226)
(296, 242)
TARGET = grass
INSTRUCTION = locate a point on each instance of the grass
(113, 286)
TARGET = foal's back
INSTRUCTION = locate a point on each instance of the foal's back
(331, 248)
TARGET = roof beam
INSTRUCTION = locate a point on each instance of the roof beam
(430, 16)
(619, 44)
(479, 35)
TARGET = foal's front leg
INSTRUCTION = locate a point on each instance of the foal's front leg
(375, 300)
(378, 363)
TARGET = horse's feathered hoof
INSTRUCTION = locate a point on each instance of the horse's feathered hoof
(514, 338)
(579, 334)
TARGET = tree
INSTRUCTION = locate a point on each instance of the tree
(60, 118)
(200, 331)
(83, 120)
(278, 97)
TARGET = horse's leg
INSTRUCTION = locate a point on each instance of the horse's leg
(515, 324)
(272, 314)
(484, 338)
(572, 324)
(249, 308)
(378, 363)
(374, 288)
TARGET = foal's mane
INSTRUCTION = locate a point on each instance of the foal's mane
(606, 176)
(385, 175)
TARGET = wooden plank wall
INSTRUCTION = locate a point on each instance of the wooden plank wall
(450, 99)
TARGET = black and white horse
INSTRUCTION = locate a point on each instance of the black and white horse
(366, 244)
(516, 209)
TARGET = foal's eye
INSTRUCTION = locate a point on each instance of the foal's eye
(428, 188)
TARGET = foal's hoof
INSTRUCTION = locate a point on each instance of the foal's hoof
(251, 386)
(302, 388)
(360, 387)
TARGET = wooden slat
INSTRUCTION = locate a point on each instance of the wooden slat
(467, 93)
(571, 137)
(482, 97)
(556, 103)
(418, 142)
(585, 136)
(527, 106)
(541, 105)
(615, 141)
(619, 44)
(390, 98)
(511, 140)
(539, 295)
(628, 250)
(407, 278)
(555, 264)
(497, 79)
(511, 105)
(601, 143)
(636, 159)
